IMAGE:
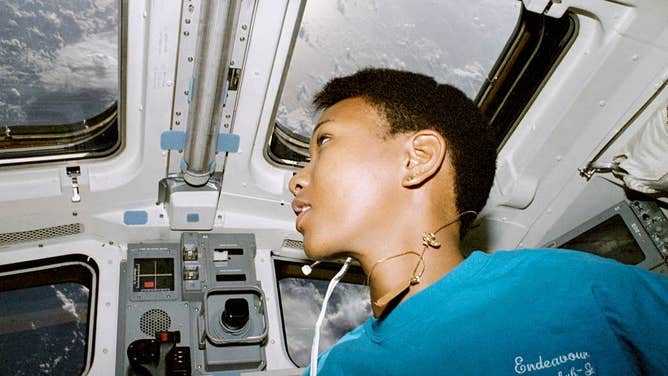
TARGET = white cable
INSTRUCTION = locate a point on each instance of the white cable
(321, 317)
(307, 269)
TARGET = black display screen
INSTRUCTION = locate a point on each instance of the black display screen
(153, 274)
(610, 239)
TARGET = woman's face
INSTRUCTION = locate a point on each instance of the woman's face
(345, 194)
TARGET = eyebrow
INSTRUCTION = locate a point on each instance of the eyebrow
(319, 124)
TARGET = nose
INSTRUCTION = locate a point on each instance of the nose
(298, 181)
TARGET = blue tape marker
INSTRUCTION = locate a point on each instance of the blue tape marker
(173, 140)
(135, 217)
(227, 142)
(192, 217)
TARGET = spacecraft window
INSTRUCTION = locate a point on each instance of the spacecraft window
(59, 77)
(456, 42)
(301, 299)
(47, 311)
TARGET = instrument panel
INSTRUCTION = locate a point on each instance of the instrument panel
(193, 307)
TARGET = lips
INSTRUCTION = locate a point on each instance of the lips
(300, 208)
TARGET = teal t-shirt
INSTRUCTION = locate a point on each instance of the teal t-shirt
(527, 312)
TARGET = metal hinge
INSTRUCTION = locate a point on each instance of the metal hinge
(74, 173)
(592, 168)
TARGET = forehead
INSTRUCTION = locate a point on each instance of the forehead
(353, 114)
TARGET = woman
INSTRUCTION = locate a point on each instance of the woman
(399, 167)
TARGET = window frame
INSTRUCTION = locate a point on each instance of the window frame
(23, 274)
(98, 136)
(282, 140)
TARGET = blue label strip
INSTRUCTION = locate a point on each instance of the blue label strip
(135, 217)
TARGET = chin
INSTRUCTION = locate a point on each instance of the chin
(314, 249)
(311, 251)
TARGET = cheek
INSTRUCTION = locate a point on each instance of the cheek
(338, 192)
(351, 195)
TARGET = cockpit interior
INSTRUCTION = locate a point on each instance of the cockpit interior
(146, 148)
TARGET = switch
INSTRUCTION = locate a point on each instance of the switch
(190, 273)
(189, 252)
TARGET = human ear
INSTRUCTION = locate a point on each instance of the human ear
(426, 151)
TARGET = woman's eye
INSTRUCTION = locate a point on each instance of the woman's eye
(322, 139)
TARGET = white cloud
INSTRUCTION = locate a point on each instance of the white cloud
(18, 13)
(472, 71)
(302, 301)
(347, 311)
(104, 3)
(89, 64)
(51, 16)
(68, 304)
(9, 43)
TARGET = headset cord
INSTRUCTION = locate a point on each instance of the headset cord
(321, 317)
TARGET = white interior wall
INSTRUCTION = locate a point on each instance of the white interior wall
(617, 63)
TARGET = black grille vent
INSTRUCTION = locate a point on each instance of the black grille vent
(40, 234)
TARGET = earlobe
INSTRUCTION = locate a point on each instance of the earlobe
(426, 153)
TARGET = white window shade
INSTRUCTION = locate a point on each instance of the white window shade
(643, 163)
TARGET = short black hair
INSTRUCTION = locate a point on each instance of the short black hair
(412, 101)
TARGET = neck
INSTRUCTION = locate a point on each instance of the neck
(389, 275)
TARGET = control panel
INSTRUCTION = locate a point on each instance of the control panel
(192, 308)
(632, 232)
(654, 222)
